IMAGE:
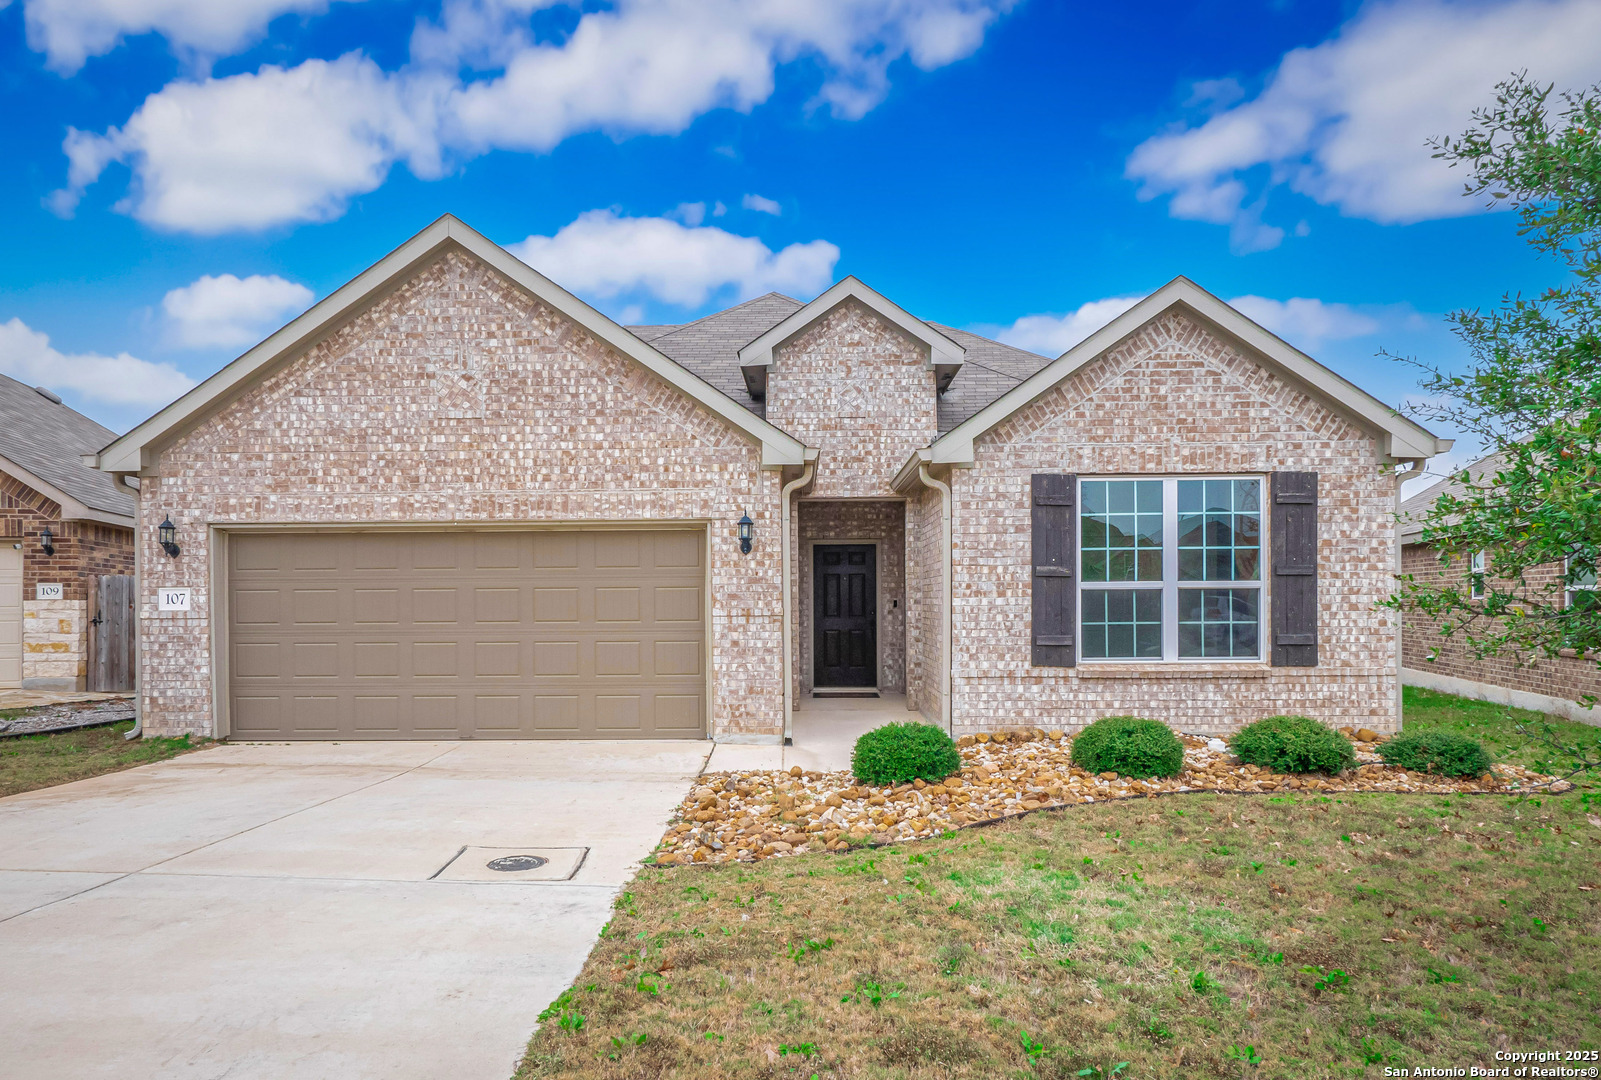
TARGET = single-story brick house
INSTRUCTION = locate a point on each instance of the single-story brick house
(1546, 684)
(453, 500)
(63, 524)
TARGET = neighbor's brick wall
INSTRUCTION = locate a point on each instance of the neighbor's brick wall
(881, 520)
(458, 398)
(1566, 678)
(862, 392)
(1174, 399)
(55, 638)
(84, 549)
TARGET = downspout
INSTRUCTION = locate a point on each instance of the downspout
(1401, 477)
(138, 638)
(789, 645)
(945, 588)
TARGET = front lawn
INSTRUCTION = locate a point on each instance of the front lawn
(1269, 935)
(35, 761)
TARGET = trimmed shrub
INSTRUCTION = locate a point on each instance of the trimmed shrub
(1293, 744)
(1129, 746)
(1436, 752)
(898, 753)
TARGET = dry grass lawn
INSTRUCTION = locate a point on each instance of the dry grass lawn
(35, 761)
(1199, 935)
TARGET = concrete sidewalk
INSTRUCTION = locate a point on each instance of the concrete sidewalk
(824, 734)
(273, 910)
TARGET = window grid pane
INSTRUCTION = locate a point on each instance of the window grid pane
(1218, 622)
(1122, 624)
(1220, 530)
(1121, 534)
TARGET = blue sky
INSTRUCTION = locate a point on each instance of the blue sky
(188, 174)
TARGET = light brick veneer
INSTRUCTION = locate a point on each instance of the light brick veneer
(925, 598)
(459, 399)
(861, 391)
(1566, 678)
(1173, 399)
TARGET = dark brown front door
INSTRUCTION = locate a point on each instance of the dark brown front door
(845, 637)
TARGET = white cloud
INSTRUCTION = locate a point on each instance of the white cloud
(605, 256)
(1306, 322)
(68, 32)
(1052, 335)
(27, 355)
(228, 311)
(285, 145)
(256, 150)
(1345, 122)
(761, 205)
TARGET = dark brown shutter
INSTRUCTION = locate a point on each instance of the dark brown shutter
(1055, 526)
(1294, 596)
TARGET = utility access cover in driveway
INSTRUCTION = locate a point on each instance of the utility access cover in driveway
(513, 864)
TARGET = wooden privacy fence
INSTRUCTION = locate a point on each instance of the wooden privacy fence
(111, 634)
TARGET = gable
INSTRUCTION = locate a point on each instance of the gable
(139, 448)
(1399, 438)
(455, 364)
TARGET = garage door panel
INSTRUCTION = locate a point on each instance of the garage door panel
(489, 635)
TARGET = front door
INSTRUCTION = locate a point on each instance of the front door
(845, 616)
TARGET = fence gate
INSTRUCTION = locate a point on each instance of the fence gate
(111, 634)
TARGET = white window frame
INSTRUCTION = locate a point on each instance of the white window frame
(1170, 583)
(1568, 590)
(1476, 567)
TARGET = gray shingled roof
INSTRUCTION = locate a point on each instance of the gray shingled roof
(710, 348)
(47, 438)
(1414, 508)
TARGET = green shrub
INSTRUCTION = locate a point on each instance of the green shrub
(897, 753)
(1293, 744)
(1130, 746)
(1436, 752)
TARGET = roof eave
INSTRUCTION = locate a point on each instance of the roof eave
(72, 508)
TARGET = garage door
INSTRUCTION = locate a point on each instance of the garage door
(10, 615)
(489, 635)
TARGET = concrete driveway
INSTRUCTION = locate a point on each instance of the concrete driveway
(299, 910)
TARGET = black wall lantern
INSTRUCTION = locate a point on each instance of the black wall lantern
(746, 525)
(47, 541)
(167, 533)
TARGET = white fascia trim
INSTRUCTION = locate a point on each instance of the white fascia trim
(135, 450)
(944, 355)
(1401, 439)
(71, 509)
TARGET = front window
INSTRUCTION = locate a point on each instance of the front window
(1580, 585)
(1170, 569)
(1476, 576)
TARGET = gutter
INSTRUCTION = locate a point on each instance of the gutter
(1401, 477)
(138, 635)
(808, 469)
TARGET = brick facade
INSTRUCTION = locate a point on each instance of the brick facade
(1173, 399)
(460, 399)
(55, 632)
(1564, 678)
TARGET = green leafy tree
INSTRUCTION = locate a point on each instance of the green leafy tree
(1531, 394)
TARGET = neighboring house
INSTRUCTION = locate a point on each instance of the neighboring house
(62, 524)
(1545, 684)
(452, 500)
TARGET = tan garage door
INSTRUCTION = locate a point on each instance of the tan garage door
(10, 615)
(488, 635)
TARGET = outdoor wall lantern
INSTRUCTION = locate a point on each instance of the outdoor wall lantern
(167, 533)
(47, 541)
(745, 528)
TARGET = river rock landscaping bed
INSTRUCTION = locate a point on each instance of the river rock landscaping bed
(67, 716)
(750, 815)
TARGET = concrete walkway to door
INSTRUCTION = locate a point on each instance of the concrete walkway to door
(274, 910)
